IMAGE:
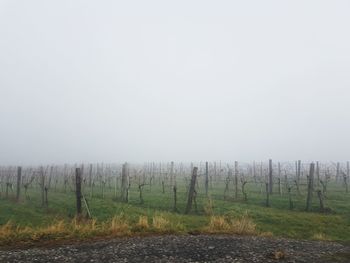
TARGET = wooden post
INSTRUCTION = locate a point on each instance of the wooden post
(285, 179)
(320, 197)
(124, 186)
(172, 173)
(337, 173)
(78, 189)
(192, 190)
(206, 178)
(267, 195)
(42, 185)
(236, 180)
(291, 206)
(227, 182)
(175, 198)
(279, 179)
(310, 187)
(215, 177)
(254, 172)
(7, 189)
(245, 197)
(318, 173)
(46, 189)
(116, 185)
(297, 186)
(141, 196)
(270, 177)
(19, 178)
(298, 171)
(346, 182)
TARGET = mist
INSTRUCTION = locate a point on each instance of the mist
(136, 81)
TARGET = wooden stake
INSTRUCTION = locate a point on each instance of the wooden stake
(78, 190)
(310, 187)
(192, 190)
(270, 177)
(206, 178)
(19, 177)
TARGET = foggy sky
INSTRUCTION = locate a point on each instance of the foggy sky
(113, 81)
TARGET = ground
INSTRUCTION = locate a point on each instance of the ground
(186, 248)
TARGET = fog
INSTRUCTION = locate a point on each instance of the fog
(113, 81)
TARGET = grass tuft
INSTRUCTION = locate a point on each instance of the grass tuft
(320, 237)
(119, 226)
(159, 222)
(266, 234)
(142, 224)
(218, 223)
(243, 225)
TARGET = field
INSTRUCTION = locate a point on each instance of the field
(35, 216)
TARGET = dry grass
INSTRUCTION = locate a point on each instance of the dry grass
(56, 230)
(142, 223)
(243, 225)
(320, 237)
(77, 228)
(218, 223)
(159, 222)
(266, 234)
(6, 230)
(9, 232)
(209, 207)
(119, 226)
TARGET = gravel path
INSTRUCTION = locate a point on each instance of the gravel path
(201, 248)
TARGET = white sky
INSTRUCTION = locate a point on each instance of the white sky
(164, 80)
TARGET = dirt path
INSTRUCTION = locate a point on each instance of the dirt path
(201, 248)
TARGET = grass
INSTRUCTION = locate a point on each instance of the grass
(142, 224)
(27, 221)
(243, 225)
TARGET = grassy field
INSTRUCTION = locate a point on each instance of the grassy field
(136, 217)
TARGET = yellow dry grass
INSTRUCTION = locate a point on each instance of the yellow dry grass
(76, 228)
(142, 223)
(266, 234)
(218, 223)
(159, 222)
(320, 237)
(119, 226)
(243, 225)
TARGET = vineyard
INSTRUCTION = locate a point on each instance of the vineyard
(289, 199)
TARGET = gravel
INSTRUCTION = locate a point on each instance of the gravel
(187, 248)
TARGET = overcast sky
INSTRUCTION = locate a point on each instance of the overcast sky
(117, 81)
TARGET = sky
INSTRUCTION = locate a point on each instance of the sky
(115, 81)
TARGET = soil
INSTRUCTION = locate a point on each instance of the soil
(186, 248)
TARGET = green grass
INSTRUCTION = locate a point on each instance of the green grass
(277, 219)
